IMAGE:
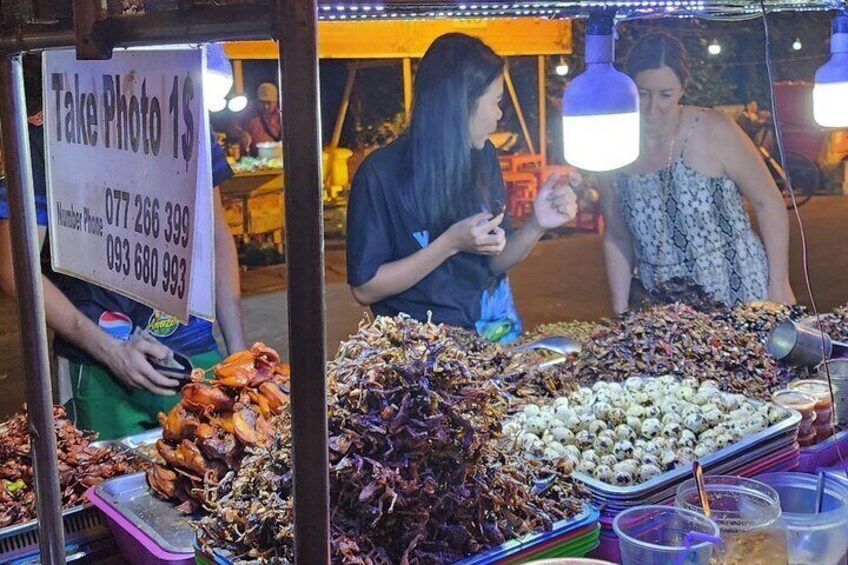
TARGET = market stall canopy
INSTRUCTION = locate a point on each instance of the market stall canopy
(20, 13)
(376, 39)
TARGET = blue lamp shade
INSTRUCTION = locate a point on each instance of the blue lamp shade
(600, 111)
(217, 77)
(830, 92)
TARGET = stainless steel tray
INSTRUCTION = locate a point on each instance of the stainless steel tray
(82, 524)
(770, 438)
(789, 451)
(137, 442)
(160, 520)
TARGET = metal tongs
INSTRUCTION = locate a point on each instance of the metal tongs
(562, 345)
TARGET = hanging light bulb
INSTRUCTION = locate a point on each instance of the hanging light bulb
(714, 47)
(237, 103)
(830, 92)
(562, 67)
(217, 77)
(215, 104)
(797, 45)
(600, 107)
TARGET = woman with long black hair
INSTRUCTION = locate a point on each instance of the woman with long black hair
(427, 234)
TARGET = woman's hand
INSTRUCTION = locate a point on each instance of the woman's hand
(781, 292)
(556, 202)
(480, 234)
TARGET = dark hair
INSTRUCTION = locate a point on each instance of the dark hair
(656, 50)
(447, 183)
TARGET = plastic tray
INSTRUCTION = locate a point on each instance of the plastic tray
(148, 530)
(824, 453)
(83, 525)
(579, 534)
(749, 448)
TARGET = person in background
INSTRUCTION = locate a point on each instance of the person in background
(677, 211)
(105, 378)
(427, 235)
(260, 122)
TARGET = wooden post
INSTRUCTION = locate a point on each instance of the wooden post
(511, 88)
(238, 75)
(340, 118)
(407, 87)
(543, 107)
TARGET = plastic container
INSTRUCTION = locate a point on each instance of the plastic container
(819, 390)
(824, 453)
(837, 369)
(749, 515)
(654, 535)
(148, 531)
(813, 538)
(806, 405)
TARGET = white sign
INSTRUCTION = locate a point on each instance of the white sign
(128, 176)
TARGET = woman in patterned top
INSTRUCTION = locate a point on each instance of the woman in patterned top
(678, 211)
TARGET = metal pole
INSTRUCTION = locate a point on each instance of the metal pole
(407, 87)
(514, 97)
(25, 257)
(543, 106)
(296, 20)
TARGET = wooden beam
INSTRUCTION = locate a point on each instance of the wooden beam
(397, 39)
(543, 106)
(407, 87)
(514, 97)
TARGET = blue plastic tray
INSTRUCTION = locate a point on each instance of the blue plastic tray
(559, 532)
(561, 529)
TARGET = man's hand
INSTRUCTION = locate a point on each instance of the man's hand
(128, 360)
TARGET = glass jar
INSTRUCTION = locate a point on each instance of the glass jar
(806, 405)
(748, 515)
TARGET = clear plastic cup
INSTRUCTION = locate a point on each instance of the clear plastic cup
(818, 389)
(806, 405)
(818, 539)
(655, 535)
(748, 513)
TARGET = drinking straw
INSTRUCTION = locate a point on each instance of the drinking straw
(698, 472)
(819, 492)
(691, 539)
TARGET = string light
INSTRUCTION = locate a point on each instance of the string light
(796, 45)
(714, 48)
(562, 67)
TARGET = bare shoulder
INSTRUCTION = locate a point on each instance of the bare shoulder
(718, 125)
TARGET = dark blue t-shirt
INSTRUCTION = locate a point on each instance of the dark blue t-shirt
(382, 227)
(114, 313)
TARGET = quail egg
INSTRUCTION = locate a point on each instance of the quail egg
(604, 445)
(651, 428)
(597, 426)
(609, 459)
(634, 383)
(531, 411)
(590, 455)
(604, 473)
(584, 438)
(602, 410)
(623, 450)
(694, 422)
(623, 478)
(649, 471)
(635, 424)
(653, 412)
(586, 467)
(625, 432)
(563, 435)
(617, 416)
(705, 447)
(635, 411)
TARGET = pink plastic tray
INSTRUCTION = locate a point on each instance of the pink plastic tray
(137, 547)
(824, 453)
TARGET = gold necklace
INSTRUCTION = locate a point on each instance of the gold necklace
(666, 184)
